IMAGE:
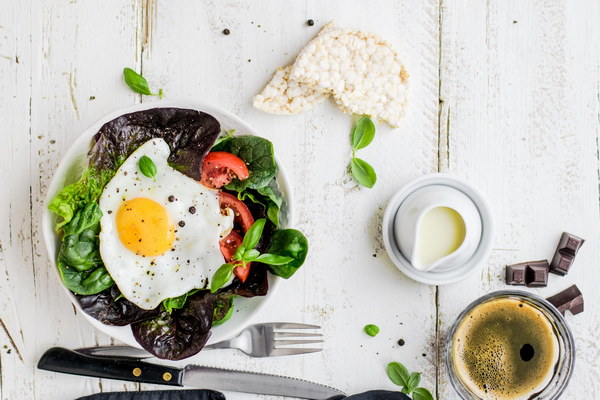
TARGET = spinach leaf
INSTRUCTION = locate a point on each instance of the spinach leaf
(85, 282)
(266, 197)
(85, 218)
(147, 166)
(258, 155)
(363, 133)
(223, 309)
(80, 251)
(288, 243)
(138, 83)
(363, 172)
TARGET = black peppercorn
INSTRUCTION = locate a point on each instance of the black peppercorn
(310, 22)
(192, 210)
(182, 223)
(171, 198)
(226, 31)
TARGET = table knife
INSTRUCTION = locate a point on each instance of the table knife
(62, 360)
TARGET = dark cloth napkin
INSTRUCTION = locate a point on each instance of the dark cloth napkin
(213, 395)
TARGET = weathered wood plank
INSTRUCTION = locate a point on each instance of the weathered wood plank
(348, 281)
(519, 81)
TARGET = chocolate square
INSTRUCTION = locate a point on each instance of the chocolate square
(515, 274)
(569, 299)
(536, 274)
(565, 253)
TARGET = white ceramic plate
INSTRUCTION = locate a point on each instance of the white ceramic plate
(442, 277)
(69, 170)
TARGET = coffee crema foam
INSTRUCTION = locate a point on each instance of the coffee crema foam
(505, 349)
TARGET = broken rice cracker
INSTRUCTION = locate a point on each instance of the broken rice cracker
(363, 71)
(285, 96)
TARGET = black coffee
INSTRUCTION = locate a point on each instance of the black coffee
(505, 349)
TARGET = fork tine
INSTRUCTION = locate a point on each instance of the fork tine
(295, 334)
(277, 343)
(290, 325)
(292, 351)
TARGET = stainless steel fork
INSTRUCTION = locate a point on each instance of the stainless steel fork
(260, 340)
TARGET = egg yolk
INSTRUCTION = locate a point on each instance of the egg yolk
(144, 227)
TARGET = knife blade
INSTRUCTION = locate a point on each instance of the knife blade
(62, 360)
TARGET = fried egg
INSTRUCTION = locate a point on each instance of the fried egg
(159, 235)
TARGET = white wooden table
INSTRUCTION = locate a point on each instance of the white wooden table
(504, 93)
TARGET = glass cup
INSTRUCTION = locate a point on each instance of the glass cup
(566, 346)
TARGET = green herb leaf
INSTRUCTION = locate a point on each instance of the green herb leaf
(251, 255)
(273, 259)
(221, 277)
(288, 243)
(173, 303)
(398, 373)
(221, 139)
(422, 394)
(266, 197)
(253, 234)
(223, 309)
(239, 253)
(147, 166)
(138, 83)
(258, 155)
(371, 330)
(363, 172)
(413, 382)
(363, 133)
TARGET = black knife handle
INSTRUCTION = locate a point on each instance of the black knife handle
(58, 359)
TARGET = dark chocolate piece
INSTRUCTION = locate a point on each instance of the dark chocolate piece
(536, 274)
(569, 299)
(565, 253)
(515, 274)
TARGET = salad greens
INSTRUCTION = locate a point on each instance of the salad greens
(409, 381)
(180, 326)
(258, 155)
(362, 135)
(138, 83)
(147, 166)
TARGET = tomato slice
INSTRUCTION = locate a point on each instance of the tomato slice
(219, 168)
(241, 213)
(229, 245)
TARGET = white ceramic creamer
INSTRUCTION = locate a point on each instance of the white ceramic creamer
(437, 228)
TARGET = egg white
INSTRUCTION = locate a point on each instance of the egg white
(195, 254)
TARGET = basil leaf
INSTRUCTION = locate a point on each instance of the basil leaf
(363, 172)
(138, 83)
(413, 382)
(371, 330)
(239, 253)
(89, 216)
(175, 303)
(363, 133)
(221, 277)
(288, 243)
(85, 282)
(398, 373)
(147, 166)
(258, 155)
(251, 255)
(421, 394)
(253, 234)
(273, 259)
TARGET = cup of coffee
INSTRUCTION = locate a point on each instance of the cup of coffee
(510, 345)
